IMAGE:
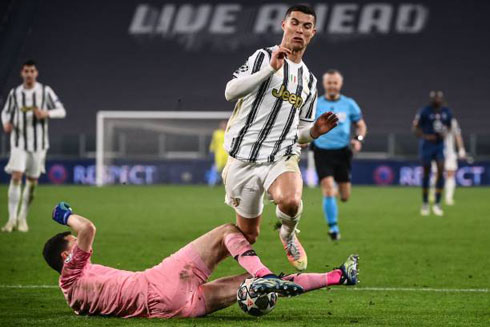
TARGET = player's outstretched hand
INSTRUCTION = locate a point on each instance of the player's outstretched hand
(61, 213)
(324, 124)
(278, 56)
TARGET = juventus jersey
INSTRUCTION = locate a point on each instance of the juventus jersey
(264, 124)
(30, 133)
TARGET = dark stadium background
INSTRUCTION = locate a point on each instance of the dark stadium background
(87, 54)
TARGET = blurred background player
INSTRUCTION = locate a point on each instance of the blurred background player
(333, 151)
(431, 125)
(453, 150)
(178, 286)
(220, 155)
(25, 116)
(276, 100)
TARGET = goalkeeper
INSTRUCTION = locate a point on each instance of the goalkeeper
(177, 287)
(220, 155)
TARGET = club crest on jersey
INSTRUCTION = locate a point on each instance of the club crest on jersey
(69, 257)
(285, 95)
(235, 202)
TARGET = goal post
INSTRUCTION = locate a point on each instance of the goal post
(152, 135)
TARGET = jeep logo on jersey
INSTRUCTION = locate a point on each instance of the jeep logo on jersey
(285, 95)
(27, 109)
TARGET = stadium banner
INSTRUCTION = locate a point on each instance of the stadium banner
(179, 55)
(364, 172)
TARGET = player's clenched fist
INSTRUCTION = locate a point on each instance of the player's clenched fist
(278, 56)
(61, 213)
(324, 124)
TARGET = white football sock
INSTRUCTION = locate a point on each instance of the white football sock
(432, 187)
(449, 188)
(26, 200)
(288, 223)
(14, 197)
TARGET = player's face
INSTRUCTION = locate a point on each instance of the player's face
(29, 74)
(332, 83)
(72, 240)
(437, 101)
(299, 29)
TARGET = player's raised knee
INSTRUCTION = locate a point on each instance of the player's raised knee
(229, 228)
(290, 206)
(252, 236)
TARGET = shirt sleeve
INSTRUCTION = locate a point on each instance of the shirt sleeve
(355, 112)
(55, 107)
(253, 64)
(74, 266)
(8, 108)
(307, 112)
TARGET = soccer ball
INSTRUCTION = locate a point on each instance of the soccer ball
(253, 303)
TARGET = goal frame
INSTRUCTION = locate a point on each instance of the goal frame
(103, 115)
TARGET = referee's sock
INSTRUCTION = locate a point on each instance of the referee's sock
(331, 212)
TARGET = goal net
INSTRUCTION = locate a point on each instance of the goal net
(146, 147)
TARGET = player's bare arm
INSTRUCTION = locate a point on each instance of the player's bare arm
(85, 231)
(361, 130)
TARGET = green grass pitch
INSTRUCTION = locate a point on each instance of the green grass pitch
(138, 226)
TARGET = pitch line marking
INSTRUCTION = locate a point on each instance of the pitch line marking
(378, 289)
(414, 289)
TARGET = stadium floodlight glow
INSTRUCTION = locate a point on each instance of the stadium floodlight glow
(121, 127)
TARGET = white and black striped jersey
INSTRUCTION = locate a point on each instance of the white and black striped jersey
(264, 124)
(30, 133)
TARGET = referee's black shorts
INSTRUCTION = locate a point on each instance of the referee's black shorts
(336, 163)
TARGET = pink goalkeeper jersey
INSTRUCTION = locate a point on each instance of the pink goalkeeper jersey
(99, 290)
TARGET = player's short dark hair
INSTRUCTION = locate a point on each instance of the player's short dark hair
(53, 249)
(332, 71)
(29, 62)
(301, 8)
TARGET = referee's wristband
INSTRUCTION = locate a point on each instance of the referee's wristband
(359, 138)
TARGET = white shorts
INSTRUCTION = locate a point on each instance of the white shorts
(30, 163)
(451, 162)
(246, 183)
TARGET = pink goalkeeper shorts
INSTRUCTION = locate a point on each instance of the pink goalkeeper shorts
(175, 285)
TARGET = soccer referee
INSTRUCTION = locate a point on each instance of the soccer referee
(332, 151)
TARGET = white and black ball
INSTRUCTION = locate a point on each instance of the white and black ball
(253, 303)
